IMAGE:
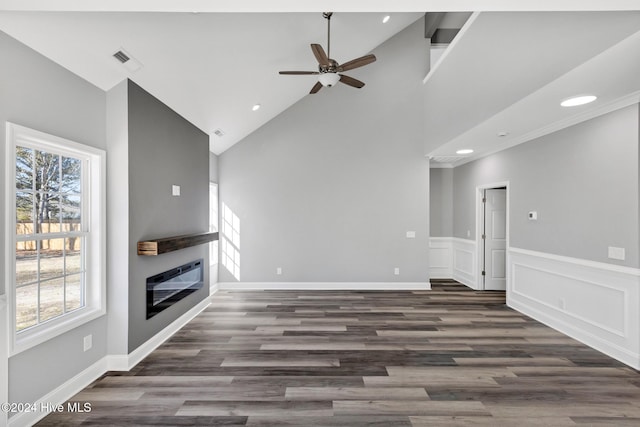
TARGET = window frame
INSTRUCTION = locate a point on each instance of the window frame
(94, 217)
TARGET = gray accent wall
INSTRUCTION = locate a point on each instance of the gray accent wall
(37, 93)
(582, 181)
(328, 189)
(164, 150)
(441, 202)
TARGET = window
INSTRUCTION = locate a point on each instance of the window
(55, 235)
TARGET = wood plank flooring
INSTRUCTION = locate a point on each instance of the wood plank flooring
(445, 357)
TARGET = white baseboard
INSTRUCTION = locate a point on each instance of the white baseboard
(107, 363)
(60, 394)
(213, 288)
(595, 303)
(325, 286)
(441, 257)
(126, 362)
(465, 254)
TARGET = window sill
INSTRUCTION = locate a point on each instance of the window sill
(47, 331)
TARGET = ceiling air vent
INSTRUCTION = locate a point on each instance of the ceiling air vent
(128, 61)
(121, 56)
(218, 132)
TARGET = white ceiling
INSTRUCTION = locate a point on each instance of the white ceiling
(209, 67)
(213, 66)
(508, 72)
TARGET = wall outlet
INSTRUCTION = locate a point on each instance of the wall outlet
(88, 342)
(411, 234)
(533, 216)
(279, 271)
(468, 233)
(561, 303)
(616, 253)
(175, 190)
(396, 271)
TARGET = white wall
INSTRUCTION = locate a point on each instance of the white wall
(328, 189)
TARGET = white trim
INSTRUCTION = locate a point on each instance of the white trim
(94, 219)
(325, 286)
(126, 362)
(108, 363)
(214, 288)
(4, 357)
(579, 261)
(440, 257)
(61, 394)
(594, 302)
(464, 261)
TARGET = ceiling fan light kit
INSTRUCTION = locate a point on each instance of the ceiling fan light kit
(329, 69)
(329, 79)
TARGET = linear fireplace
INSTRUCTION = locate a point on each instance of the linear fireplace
(165, 289)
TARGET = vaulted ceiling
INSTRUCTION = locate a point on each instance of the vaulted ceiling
(212, 61)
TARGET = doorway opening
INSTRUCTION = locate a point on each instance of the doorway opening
(492, 227)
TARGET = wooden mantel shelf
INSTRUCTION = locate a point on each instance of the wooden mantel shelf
(170, 244)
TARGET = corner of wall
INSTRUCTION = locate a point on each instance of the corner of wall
(117, 219)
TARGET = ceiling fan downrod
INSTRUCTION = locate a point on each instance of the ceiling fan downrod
(327, 16)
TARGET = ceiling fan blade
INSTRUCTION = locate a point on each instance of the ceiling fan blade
(316, 88)
(298, 73)
(320, 55)
(351, 81)
(358, 62)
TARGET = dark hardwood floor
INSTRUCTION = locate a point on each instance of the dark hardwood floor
(449, 356)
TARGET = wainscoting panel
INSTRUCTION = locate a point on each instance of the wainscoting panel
(440, 257)
(596, 303)
(464, 262)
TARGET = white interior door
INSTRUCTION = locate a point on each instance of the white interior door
(495, 241)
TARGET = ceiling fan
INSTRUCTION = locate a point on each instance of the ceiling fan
(329, 69)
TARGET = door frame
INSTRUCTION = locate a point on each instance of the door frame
(479, 227)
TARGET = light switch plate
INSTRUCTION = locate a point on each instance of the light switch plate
(616, 253)
(175, 190)
(396, 271)
(411, 234)
(87, 342)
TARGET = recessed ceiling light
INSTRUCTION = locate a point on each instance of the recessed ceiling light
(386, 19)
(578, 100)
(465, 151)
(256, 107)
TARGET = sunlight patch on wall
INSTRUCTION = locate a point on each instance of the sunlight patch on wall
(230, 241)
